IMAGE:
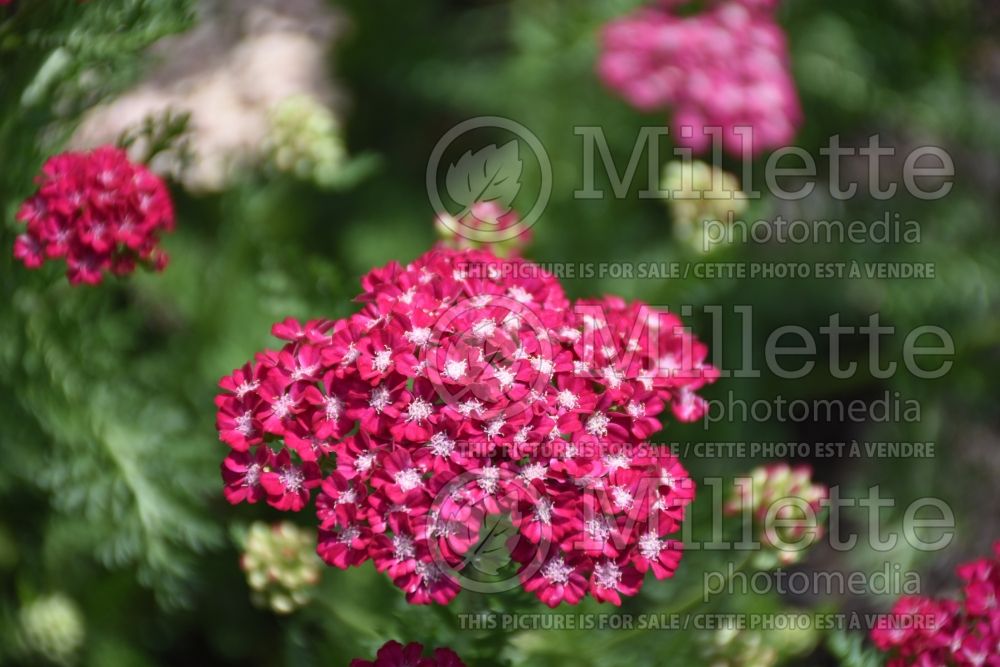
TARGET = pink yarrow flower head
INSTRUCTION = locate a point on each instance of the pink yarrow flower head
(725, 67)
(394, 654)
(785, 506)
(468, 389)
(97, 211)
(966, 633)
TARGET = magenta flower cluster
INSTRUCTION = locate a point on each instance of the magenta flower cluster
(394, 654)
(469, 387)
(726, 67)
(98, 211)
(924, 632)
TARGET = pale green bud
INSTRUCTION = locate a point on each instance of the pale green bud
(698, 195)
(305, 140)
(52, 628)
(281, 565)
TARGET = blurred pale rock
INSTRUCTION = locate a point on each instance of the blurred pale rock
(229, 73)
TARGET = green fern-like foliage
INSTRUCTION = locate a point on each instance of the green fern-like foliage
(88, 429)
(850, 651)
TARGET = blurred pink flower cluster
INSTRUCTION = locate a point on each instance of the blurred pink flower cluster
(924, 632)
(98, 211)
(468, 387)
(725, 67)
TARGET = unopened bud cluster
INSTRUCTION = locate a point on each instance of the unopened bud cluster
(732, 647)
(784, 505)
(51, 629)
(281, 565)
(699, 192)
(305, 140)
(485, 225)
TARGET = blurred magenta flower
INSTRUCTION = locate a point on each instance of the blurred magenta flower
(98, 211)
(726, 67)
(394, 654)
(922, 631)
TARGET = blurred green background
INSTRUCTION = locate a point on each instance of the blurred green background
(109, 485)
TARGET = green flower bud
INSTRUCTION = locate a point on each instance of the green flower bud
(701, 198)
(281, 565)
(784, 505)
(304, 139)
(52, 629)
(485, 225)
(732, 647)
